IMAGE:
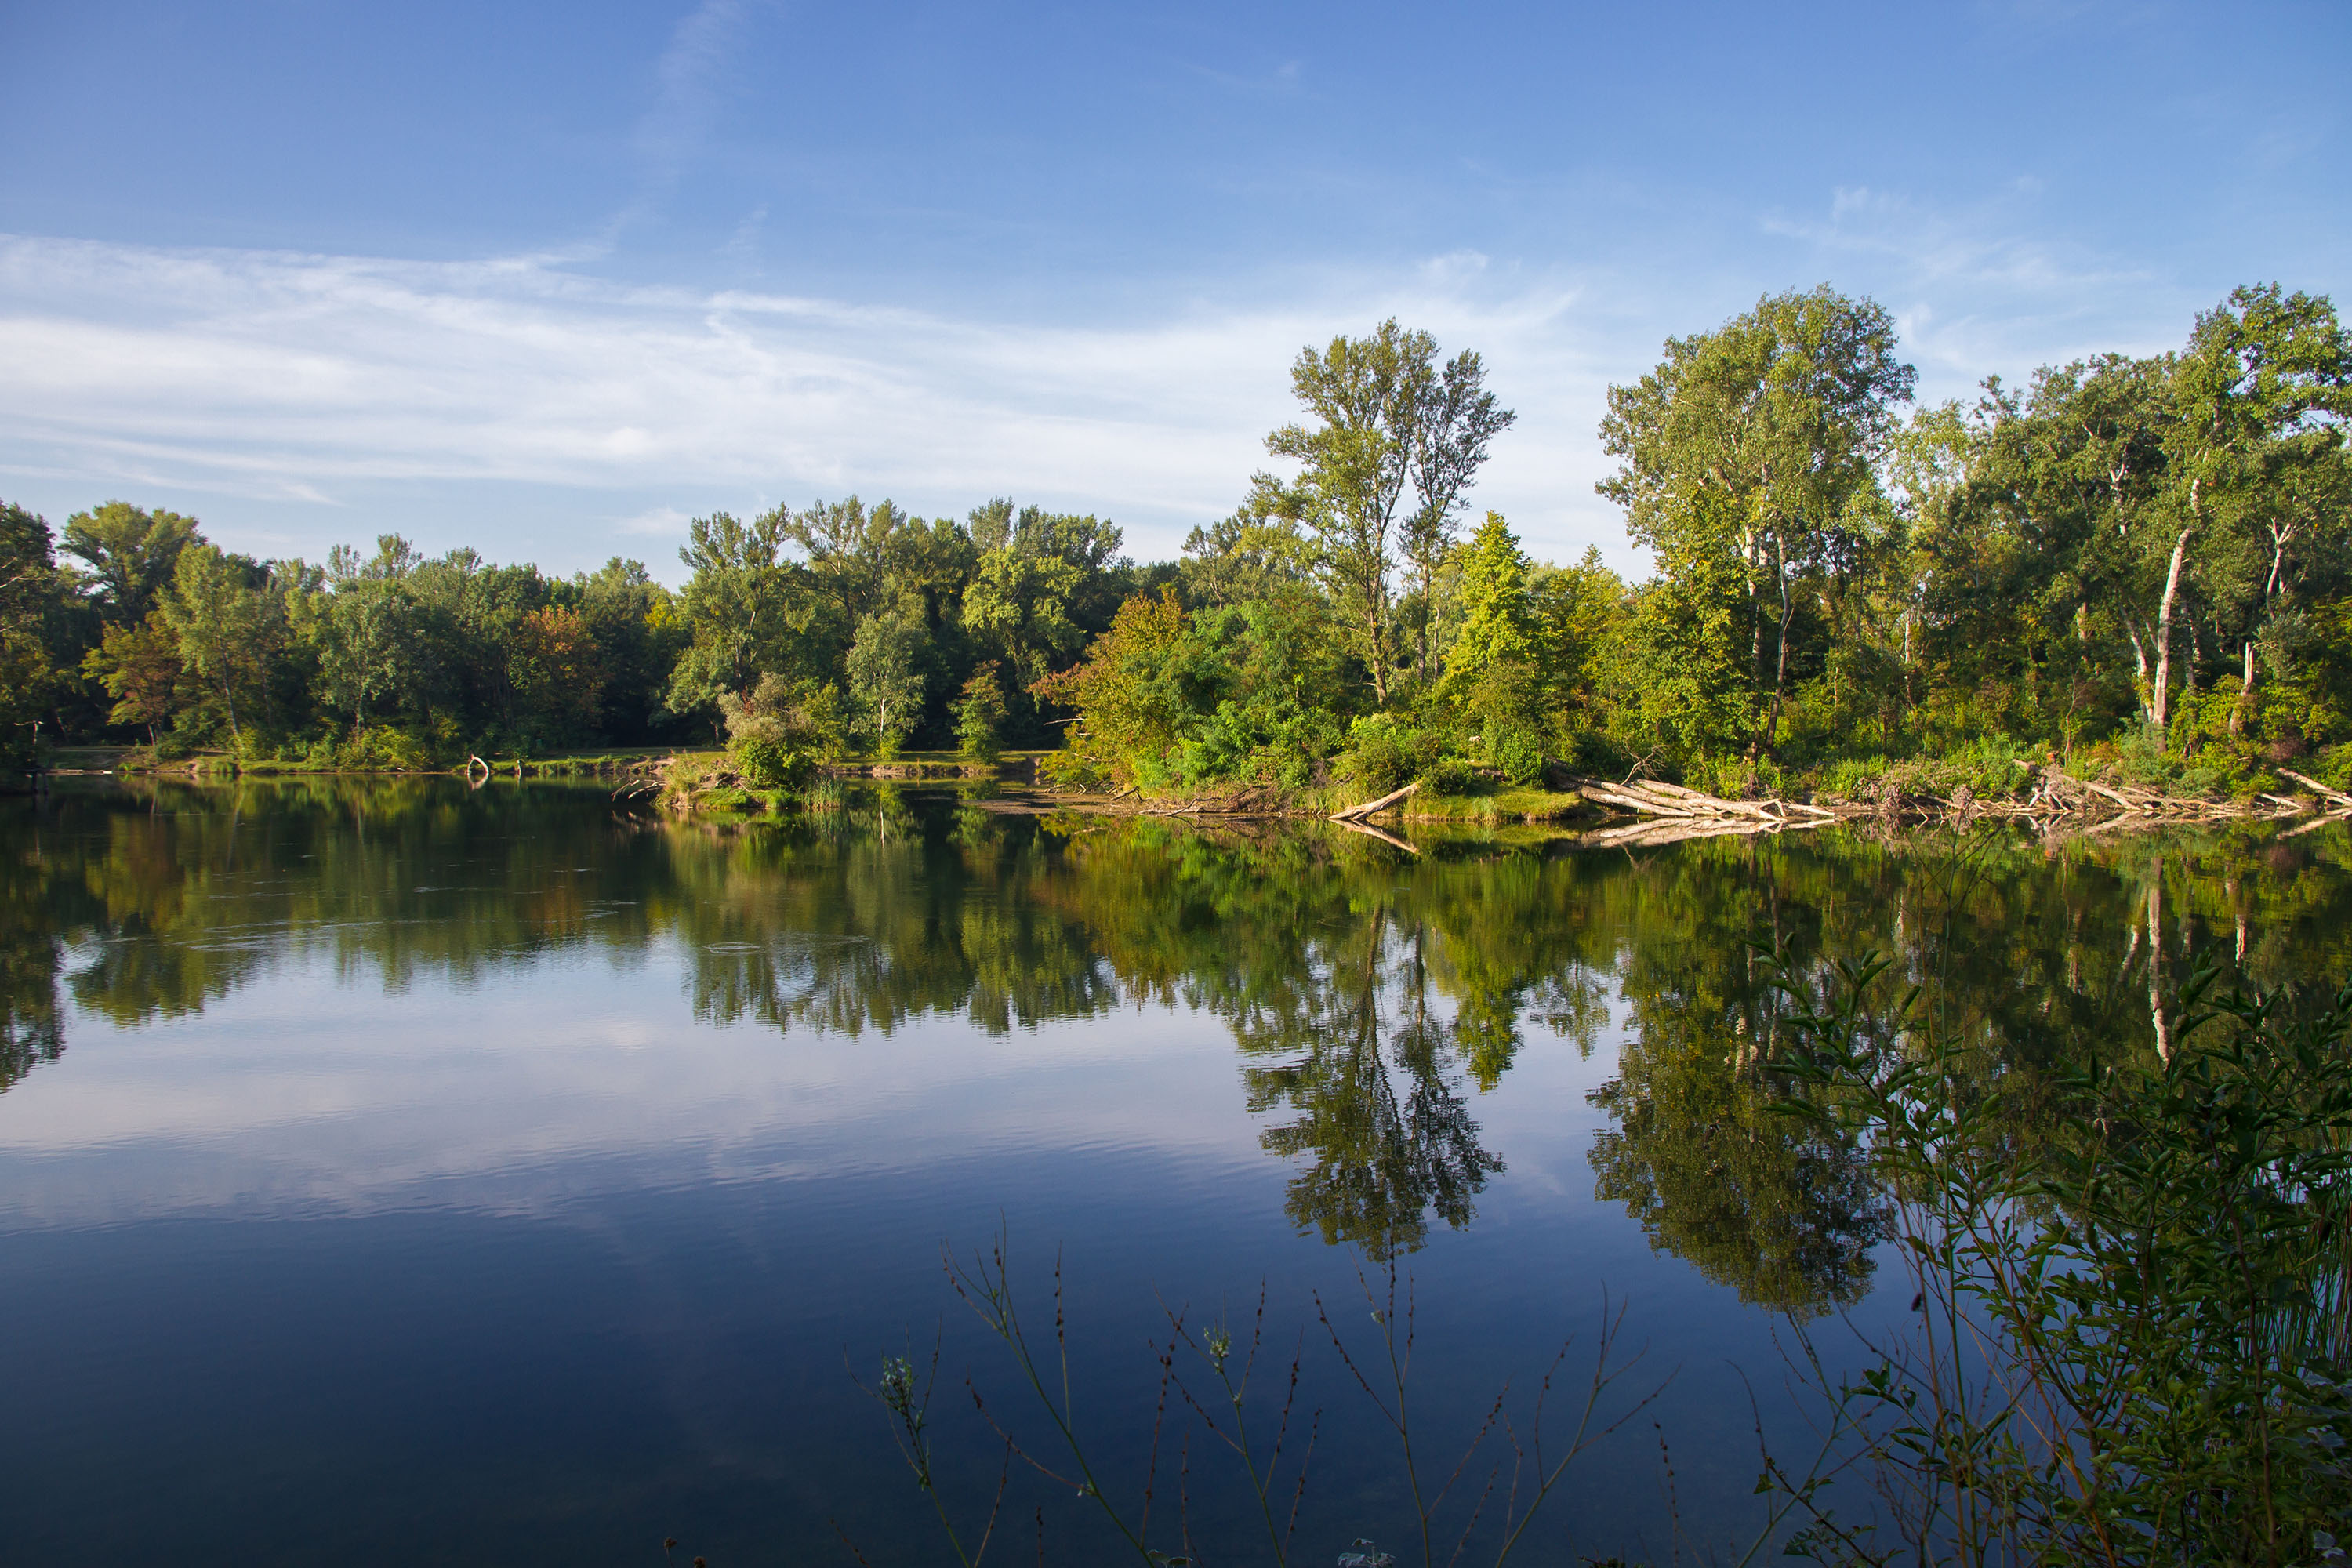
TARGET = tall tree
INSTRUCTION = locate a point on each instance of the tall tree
(2260, 397)
(737, 605)
(638, 637)
(1750, 446)
(28, 589)
(557, 670)
(140, 669)
(220, 618)
(1497, 624)
(1456, 419)
(886, 676)
(1355, 467)
(370, 642)
(130, 555)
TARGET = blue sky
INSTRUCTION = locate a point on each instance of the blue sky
(550, 279)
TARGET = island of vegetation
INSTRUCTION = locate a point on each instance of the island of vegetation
(2131, 577)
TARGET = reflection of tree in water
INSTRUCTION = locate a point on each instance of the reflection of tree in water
(1385, 1132)
(1764, 1202)
(1369, 993)
(30, 953)
(1758, 1201)
(862, 920)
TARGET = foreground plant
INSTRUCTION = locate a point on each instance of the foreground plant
(2128, 1345)
(1206, 1385)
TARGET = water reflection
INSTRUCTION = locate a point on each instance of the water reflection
(1372, 997)
(31, 954)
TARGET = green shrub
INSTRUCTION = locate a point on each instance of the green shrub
(1737, 778)
(1381, 756)
(980, 716)
(773, 735)
(1452, 775)
(1598, 754)
(2160, 1286)
(767, 759)
(1997, 765)
(1851, 778)
(380, 747)
(1517, 753)
(1074, 770)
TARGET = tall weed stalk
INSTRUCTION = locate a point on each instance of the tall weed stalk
(1224, 1385)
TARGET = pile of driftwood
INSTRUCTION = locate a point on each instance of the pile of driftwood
(1254, 800)
(2057, 803)
(1673, 813)
(2059, 800)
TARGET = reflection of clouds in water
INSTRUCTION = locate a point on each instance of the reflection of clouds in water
(299, 1097)
(299, 1025)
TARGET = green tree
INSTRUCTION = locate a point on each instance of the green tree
(1577, 614)
(130, 555)
(28, 587)
(1743, 457)
(221, 622)
(637, 633)
(737, 608)
(140, 669)
(1454, 420)
(369, 630)
(1133, 705)
(2047, 545)
(1240, 558)
(1019, 604)
(1498, 625)
(1354, 469)
(2260, 397)
(557, 670)
(886, 677)
(980, 715)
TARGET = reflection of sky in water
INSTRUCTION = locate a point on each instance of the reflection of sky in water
(301, 1094)
(507, 1250)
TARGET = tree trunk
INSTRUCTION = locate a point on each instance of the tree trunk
(1428, 574)
(1781, 660)
(2245, 693)
(2159, 702)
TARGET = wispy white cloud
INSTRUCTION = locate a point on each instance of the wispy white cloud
(289, 376)
(655, 522)
(1979, 287)
(691, 82)
(352, 383)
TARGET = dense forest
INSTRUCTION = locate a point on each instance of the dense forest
(2139, 564)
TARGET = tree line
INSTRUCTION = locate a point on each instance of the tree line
(129, 625)
(2142, 559)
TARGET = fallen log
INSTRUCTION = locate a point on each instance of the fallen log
(1382, 804)
(2124, 801)
(1651, 798)
(2337, 796)
(1604, 794)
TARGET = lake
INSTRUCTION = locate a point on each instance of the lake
(392, 1173)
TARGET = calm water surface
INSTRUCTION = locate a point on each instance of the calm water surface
(390, 1174)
